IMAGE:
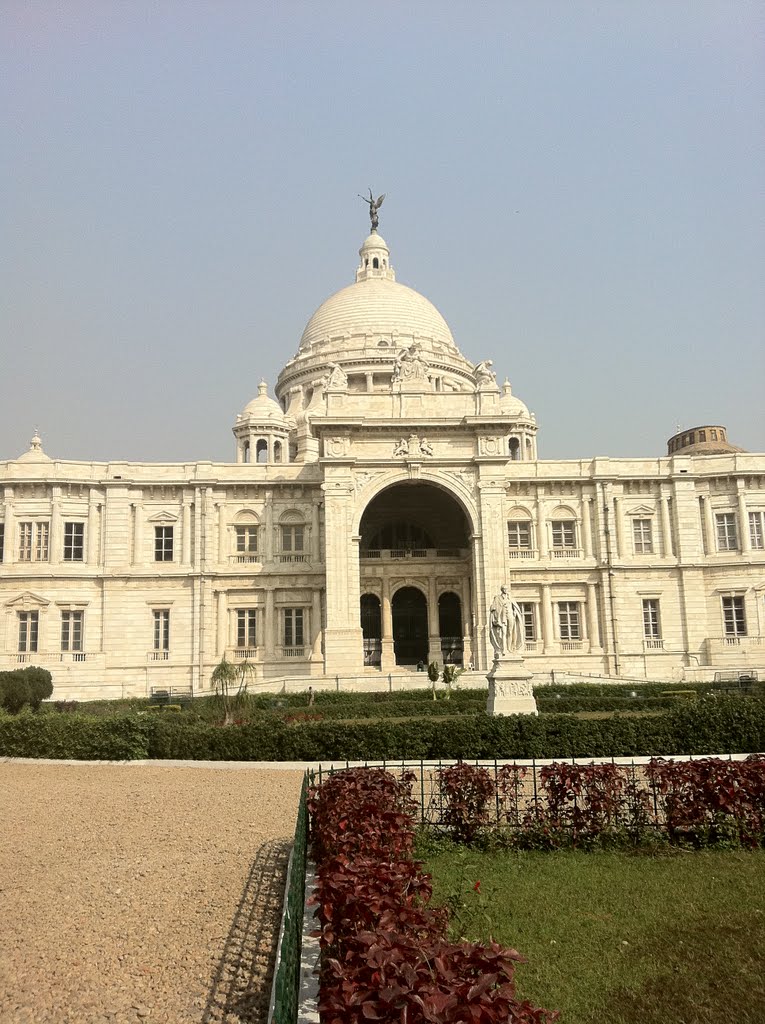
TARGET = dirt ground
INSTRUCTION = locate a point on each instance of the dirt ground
(141, 893)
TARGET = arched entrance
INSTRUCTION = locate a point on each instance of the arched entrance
(414, 545)
(450, 628)
(371, 628)
(410, 626)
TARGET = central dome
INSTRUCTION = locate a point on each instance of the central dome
(378, 309)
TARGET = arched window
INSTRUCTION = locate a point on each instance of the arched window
(277, 451)
(246, 451)
(292, 538)
(375, 264)
(514, 446)
(245, 539)
(520, 535)
(261, 450)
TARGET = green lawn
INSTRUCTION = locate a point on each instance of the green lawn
(615, 938)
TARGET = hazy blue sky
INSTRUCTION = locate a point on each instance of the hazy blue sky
(579, 187)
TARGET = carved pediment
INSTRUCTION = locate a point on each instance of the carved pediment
(27, 602)
(163, 517)
(641, 510)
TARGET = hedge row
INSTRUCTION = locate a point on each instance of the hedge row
(709, 725)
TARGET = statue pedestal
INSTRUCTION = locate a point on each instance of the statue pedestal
(510, 691)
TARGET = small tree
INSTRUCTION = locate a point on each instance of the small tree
(230, 683)
(433, 674)
(450, 675)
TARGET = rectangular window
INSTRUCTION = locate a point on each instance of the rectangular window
(519, 535)
(29, 623)
(163, 543)
(642, 534)
(568, 617)
(651, 624)
(245, 627)
(564, 533)
(33, 542)
(756, 530)
(162, 629)
(71, 631)
(293, 627)
(726, 531)
(734, 617)
(529, 621)
(246, 540)
(292, 539)
(74, 536)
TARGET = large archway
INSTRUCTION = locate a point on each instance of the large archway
(410, 626)
(415, 547)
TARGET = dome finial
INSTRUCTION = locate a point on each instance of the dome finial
(374, 206)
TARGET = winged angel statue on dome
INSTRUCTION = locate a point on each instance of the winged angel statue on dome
(374, 206)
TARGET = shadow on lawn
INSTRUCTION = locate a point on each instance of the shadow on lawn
(708, 975)
(241, 986)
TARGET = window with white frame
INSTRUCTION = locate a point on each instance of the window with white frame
(29, 628)
(246, 635)
(727, 539)
(528, 615)
(246, 541)
(293, 542)
(564, 534)
(163, 543)
(71, 630)
(734, 616)
(642, 536)
(519, 535)
(569, 620)
(33, 542)
(293, 627)
(651, 621)
(74, 540)
(757, 530)
(162, 629)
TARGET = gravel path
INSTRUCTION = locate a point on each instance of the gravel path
(133, 894)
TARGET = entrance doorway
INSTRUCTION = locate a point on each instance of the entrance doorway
(450, 628)
(371, 628)
(409, 610)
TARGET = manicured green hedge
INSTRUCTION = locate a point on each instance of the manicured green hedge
(79, 737)
(710, 725)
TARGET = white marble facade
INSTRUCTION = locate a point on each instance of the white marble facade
(371, 512)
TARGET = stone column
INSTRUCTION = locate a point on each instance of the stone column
(343, 639)
(315, 534)
(710, 538)
(388, 659)
(56, 539)
(93, 529)
(222, 534)
(186, 533)
(744, 540)
(541, 529)
(221, 637)
(666, 526)
(316, 630)
(434, 633)
(620, 550)
(592, 617)
(587, 528)
(137, 533)
(548, 635)
(268, 554)
(269, 640)
(9, 540)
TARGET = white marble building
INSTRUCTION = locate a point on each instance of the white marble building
(370, 514)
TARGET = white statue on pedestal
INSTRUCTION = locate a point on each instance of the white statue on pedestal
(505, 624)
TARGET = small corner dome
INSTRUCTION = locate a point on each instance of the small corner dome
(35, 452)
(264, 409)
(512, 406)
